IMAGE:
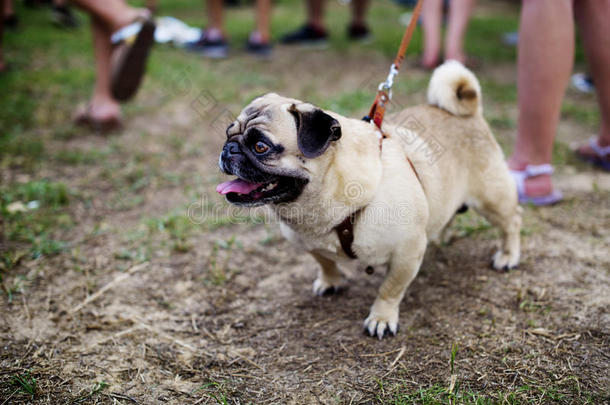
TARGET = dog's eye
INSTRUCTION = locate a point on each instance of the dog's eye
(261, 147)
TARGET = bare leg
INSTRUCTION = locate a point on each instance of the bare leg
(315, 13)
(546, 52)
(359, 9)
(7, 7)
(114, 14)
(102, 105)
(263, 15)
(215, 17)
(592, 19)
(431, 18)
(459, 14)
(151, 5)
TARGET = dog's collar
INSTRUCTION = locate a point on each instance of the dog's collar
(345, 233)
(345, 230)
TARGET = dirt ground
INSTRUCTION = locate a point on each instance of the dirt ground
(145, 307)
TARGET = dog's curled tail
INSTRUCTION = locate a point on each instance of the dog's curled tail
(455, 89)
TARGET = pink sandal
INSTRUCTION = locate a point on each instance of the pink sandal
(600, 156)
(532, 171)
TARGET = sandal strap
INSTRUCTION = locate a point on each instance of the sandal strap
(127, 32)
(530, 171)
(538, 170)
(601, 151)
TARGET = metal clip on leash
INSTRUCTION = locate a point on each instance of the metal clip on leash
(389, 81)
(384, 91)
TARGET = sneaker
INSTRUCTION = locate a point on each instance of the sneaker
(308, 34)
(583, 83)
(11, 21)
(63, 17)
(260, 49)
(357, 32)
(216, 48)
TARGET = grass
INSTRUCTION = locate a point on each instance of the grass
(31, 212)
(25, 383)
(561, 391)
(218, 262)
(582, 114)
(76, 157)
(470, 223)
(97, 388)
(177, 226)
(42, 154)
(215, 391)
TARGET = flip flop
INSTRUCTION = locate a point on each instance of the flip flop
(532, 171)
(84, 119)
(132, 45)
(600, 156)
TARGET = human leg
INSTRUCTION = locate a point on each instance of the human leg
(592, 19)
(432, 15)
(459, 15)
(545, 58)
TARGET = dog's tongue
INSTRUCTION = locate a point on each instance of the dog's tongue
(238, 186)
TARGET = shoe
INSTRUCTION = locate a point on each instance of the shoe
(131, 44)
(63, 17)
(510, 38)
(217, 48)
(260, 49)
(532, 171)
(583, 82)
(599, 156)
(357, 32)
(306, 35)
(11, 21)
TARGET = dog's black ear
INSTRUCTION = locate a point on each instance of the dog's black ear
(315, 131)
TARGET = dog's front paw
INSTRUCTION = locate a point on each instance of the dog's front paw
(326, 286)
(505, 261)
(382, 320)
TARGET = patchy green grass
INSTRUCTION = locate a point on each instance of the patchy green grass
(524, 394)
(214, 390)
(31, 213)
(218, 263)
(75, 157)
(583, 114)
(25, 383)
(177, 227)
(561, 391)
(97, 388)
(41, 152)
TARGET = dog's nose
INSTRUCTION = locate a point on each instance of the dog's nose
(232, 149)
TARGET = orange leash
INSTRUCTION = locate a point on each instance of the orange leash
(345, 230)
(384, 92)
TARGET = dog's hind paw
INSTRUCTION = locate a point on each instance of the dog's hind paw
(325, 287)
(504, 261)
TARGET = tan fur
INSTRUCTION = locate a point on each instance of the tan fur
(456, 160)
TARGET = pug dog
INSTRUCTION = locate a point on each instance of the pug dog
(343, 192)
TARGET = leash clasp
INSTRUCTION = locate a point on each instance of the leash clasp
(389, 81)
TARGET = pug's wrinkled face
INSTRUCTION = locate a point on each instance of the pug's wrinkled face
(267, 147)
